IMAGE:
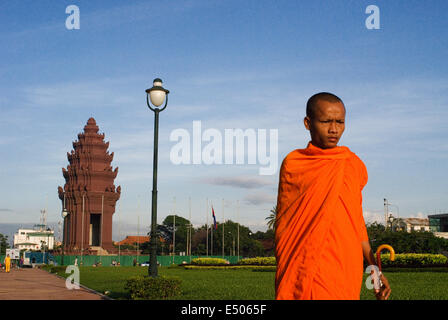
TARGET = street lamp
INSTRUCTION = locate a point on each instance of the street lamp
(64, 214)
(157, 94)
(391, 220)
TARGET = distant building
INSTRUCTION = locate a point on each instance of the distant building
(438, 224)
(416, 224)
(34, 239)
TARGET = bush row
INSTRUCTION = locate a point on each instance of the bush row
(258, 261)
(209, 261)
(414, 260)
(401, 260)
(232, 267)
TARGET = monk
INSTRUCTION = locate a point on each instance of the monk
(320, 234)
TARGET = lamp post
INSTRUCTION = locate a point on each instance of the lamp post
(64, 214)
(391, 221)
(157, 94)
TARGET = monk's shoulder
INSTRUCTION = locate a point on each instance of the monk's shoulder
(290, 157)
(360, 167)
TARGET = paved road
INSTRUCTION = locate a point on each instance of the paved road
(36, 284)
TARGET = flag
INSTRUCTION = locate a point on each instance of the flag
(214, 219)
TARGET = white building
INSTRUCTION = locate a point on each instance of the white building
(34, 239)
(417, 224)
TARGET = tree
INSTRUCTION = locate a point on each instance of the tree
(405, 242)
(248, 246)
(3, 244)
(266, 239)
(164, 238)
(181, 229)
(271, 218)
(198, 241)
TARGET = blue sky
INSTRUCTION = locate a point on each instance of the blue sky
(229, 64)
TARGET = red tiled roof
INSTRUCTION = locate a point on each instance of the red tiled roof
(134, 239)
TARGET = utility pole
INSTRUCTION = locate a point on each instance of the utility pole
(386, 212)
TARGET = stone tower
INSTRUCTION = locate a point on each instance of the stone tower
(89, 194)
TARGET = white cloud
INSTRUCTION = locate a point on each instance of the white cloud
(259, 197)
(245, 182)
(373, 216)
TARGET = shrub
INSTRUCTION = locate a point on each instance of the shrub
(53, 269)
(231, 267)
(258, 261)
(58, 269)
(145, 287)
(209, 261)
(414, 260)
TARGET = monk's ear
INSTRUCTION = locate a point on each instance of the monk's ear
(307, 123)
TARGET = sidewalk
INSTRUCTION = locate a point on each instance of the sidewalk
(36, 284)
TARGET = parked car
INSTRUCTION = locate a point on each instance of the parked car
(144, 264)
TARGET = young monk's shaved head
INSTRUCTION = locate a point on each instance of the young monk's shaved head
(325, 119)
(312, 103)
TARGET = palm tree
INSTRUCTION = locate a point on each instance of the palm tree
(271, 218)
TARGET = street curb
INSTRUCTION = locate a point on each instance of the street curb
(82, 286)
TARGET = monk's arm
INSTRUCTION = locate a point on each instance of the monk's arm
(368, 254)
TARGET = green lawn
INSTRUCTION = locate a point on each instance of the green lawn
(413, 285)
(246, 284)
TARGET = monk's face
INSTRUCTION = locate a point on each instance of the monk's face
(327, 124)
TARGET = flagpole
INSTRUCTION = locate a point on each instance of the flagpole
(174, 229)
(82, 230)
(211, 252)
(101, 230)
(206, 226)
(138, 228)
(238, 228)
(119, 233)
(189, 230)
(138, 237)
(223, 228)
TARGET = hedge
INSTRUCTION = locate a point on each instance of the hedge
(258, 261)
(401, 260)
(209, 261)
(414, 260)
(145, 287)
(232, 267)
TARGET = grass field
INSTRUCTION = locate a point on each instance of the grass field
(412, 284)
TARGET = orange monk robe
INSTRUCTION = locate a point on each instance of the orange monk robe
(319, 225)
